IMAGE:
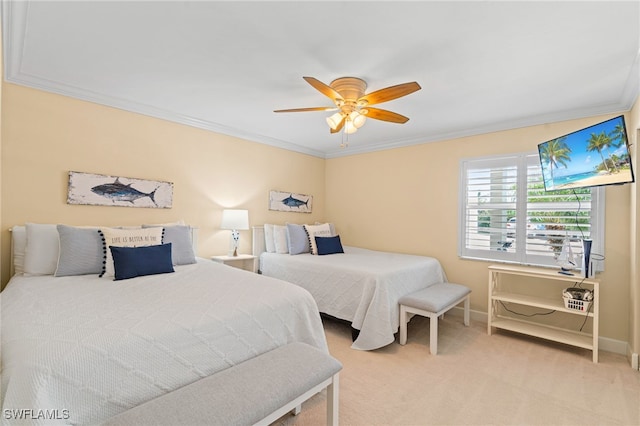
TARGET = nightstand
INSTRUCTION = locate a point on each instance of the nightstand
(241, 261)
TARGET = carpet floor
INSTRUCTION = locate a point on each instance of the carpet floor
(476, 379)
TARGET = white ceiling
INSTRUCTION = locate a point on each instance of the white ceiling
(225, 66)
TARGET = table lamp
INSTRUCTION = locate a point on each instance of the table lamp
(235, 220)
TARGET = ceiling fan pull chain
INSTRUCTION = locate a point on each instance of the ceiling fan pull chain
(344, 144)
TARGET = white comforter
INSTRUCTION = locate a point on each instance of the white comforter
(361, 286)
(78, 350)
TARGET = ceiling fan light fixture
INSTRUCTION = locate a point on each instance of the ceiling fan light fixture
(354, 105)
(349, 127)
(334, 120)
(357, 119)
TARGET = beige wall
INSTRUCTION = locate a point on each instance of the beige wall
(402, 200)
(45, 136)
(633, 128)
(1, 101)
(406, 200)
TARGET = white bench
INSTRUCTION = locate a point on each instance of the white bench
(257, 391)
(432, 302)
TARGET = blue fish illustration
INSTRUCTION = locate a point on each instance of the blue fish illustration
(293, 202)
(118, 191)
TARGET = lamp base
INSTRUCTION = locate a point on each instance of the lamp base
(235, 252)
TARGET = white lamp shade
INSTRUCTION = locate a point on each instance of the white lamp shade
(235, 219)
(349, 127)
(357, 119)
(334, 120)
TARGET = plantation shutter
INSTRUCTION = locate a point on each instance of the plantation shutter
(506, 215)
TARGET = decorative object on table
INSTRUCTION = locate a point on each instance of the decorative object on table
(103, 190)
(236, 220)
(567, 260)
(290, 202)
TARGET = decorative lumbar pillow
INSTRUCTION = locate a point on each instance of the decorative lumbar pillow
(331, 226)
(41, 251)
(180, 238)
(80, 251)
(130, 262)
(280, 239)
(316, 231)
(297, 239)
(329, 245)
(269, 242)
(126, 238)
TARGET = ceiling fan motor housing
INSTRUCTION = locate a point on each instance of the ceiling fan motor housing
(351, 88)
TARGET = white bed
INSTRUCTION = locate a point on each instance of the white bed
(80, 349)
(360, 286)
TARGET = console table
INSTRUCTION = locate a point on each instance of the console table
(498, 293)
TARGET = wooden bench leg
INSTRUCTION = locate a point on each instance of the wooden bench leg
(403, 325)
(433, 334)
(332, 400)
(467, 303)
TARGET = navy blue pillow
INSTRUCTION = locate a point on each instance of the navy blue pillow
(130, 262)
(329, 245)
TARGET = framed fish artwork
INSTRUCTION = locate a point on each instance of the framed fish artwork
(290, 202)
(102, 190)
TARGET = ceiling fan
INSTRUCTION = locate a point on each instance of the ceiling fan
(353, 105)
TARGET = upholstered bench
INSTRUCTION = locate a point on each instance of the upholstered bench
(257, 391)
(432, 302)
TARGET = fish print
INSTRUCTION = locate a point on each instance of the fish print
(118, 191)
(293, 202)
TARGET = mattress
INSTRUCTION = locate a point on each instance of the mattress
(80, 349)
(361, 286)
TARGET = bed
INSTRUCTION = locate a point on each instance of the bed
(359, 286)
(79, 349)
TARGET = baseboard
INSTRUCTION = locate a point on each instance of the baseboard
(634, 358)
(604, 343)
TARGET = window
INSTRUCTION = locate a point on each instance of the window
(506, 215)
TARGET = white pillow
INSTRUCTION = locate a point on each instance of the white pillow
(126, 238)
(41, 252)
(269, 242)
(331, 226)
(18, 247)
(314, 231)
(280, 239)
(181, 244)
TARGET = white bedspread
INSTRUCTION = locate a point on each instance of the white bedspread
(86, 348)
(361, 286)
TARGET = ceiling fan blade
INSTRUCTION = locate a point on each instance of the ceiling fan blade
(384, 115)
(307, 109)
(325, 89)
(340, 125)
(390, 93)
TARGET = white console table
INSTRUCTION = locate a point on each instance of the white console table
(498, 294)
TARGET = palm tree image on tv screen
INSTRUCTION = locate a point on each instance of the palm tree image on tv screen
(594, 156)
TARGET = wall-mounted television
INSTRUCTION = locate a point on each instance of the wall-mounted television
(594, 156)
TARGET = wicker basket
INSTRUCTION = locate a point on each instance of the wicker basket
(576, 304)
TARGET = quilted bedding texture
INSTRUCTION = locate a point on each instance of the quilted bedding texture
(360, 285)
(78, 350)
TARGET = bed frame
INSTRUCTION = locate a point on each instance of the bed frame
(258, 245)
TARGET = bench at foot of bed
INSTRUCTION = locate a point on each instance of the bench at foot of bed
(257, 391)
(432, 302)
